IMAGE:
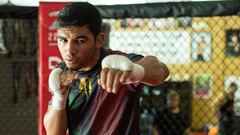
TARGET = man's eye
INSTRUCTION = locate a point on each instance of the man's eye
(80, 41)
(61, 41)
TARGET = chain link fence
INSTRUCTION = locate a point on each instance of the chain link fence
(202, 54)
(18, 86)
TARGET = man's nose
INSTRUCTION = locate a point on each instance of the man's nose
(70, 48)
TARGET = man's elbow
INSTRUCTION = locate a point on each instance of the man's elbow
(159, 78)
(163, 74)
(166, 73)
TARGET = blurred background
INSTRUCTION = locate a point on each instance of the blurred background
(198, 40)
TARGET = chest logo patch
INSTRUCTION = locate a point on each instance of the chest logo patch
(85, 86)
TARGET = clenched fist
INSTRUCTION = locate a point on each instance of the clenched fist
(118, 70)
(59, 82)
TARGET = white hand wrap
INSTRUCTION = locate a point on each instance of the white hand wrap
(58, 99)
(123, 63)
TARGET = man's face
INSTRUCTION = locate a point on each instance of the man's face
(233, 89)
(174, 101)
(79, 49)
(235, 38)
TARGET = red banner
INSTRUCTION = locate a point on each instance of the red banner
(49, 55)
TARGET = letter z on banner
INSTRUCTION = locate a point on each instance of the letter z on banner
(49, 55)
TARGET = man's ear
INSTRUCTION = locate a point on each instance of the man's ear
(100, 40)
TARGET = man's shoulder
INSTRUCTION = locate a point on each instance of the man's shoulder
(109, 51)
(132, 56)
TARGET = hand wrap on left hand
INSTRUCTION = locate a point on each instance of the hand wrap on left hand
(123, 63)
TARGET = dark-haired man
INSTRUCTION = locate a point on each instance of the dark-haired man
(224, 106)
(95, 90)
(171, 120)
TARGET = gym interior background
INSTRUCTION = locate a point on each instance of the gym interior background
(193, 38)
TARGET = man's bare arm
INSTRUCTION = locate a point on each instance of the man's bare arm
(155, 71)
(55, 122)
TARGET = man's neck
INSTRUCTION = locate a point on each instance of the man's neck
(93, 63)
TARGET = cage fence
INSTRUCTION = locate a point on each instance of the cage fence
(18, 63)
(202, 59)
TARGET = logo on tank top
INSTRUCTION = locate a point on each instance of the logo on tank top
(85, 86)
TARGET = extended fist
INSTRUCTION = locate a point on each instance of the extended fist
(118, 70)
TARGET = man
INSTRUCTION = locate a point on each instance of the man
(95, 90)
(171, 120)
(201, 45)
(236, 111)
(233, 48)
(224, 107)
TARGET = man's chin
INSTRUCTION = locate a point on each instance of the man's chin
(71, 67)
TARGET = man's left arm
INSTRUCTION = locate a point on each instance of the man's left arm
(155, 71)
(119, 70)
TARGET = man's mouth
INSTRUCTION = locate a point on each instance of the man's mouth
(70, 61)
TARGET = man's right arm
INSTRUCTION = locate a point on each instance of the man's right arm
(55, 122)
